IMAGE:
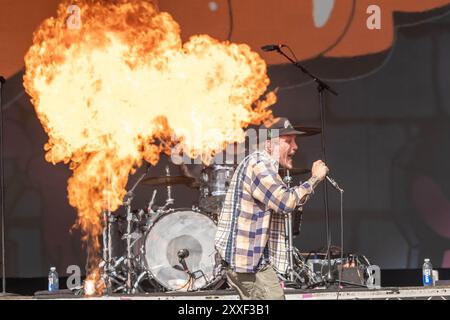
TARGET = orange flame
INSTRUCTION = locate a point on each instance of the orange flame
(123, 88)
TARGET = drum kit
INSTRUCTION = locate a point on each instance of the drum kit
(162, 248)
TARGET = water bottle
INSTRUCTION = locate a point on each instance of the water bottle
(53, 281)
(427, 273)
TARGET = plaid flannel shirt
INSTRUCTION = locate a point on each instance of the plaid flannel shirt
(251, 227)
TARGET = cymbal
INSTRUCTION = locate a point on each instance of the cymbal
(294, 171)
(308, 131)
(195, 185)
(168, 181)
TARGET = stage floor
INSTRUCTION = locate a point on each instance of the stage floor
(400, 293)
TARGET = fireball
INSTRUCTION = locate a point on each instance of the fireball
(115, 86)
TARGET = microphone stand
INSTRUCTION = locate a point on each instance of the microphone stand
(321, 88)
(2, 193)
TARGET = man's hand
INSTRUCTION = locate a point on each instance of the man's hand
(319, 170)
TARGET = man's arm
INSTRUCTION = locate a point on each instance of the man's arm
(268, 188)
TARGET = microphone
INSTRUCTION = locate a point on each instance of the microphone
(334, 184)
(183, 253)
(272, 47)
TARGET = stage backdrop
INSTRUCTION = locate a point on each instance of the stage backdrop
(386, 140)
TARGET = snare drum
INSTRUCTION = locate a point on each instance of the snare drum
(214, 183)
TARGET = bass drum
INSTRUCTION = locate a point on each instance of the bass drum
(187, 230)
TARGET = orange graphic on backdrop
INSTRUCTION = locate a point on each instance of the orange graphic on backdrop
(343, 33)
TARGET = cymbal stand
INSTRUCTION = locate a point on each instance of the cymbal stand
(293, 275)
(169, 200)
(151, 202)
(108, 266)
(127, 204)
(128, 236)
(106, 263)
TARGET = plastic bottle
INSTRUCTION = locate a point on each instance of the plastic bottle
(427, 273)
(53, 281)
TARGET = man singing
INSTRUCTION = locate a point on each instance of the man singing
(251, 235)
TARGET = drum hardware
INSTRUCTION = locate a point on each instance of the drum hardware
(144, 274)
(214, 183)
(219, 276)
(169, 200)
(182, 255)
(305, 276)
(128, 260)
(135, 236)
(108, 266)
(151, 202)
(105, 265)
(167, 181)
(291, 273)
(298, 273)
(153, 237)
(118, 262)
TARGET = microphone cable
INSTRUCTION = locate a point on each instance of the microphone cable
(231, 20)
(290, 50)
(342, 243)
